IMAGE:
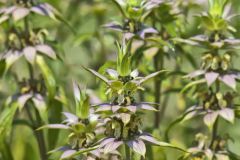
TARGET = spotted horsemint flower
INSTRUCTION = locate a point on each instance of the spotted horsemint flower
(27, 46)
(207, 150)
(23, 8)
(122, 116)
(212, 106)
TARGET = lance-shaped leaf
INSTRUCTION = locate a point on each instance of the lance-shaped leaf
(54, 126)
(138, 146)
(83, 110)
(104, 107)
(180, 119)
(195, 74)
(210, 118)
(125, 65)
(101, 77)
(150, 76)
(120, 5)
(48, 76)
(114, 26)
(190, 42)
(147, 106)
(227, 114)
(76, 92)
(194, 83)
(81, 151)
(152, 140)
(6, 118)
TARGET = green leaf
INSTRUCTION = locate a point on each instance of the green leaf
(48, 76)
(151, 76)
(116, 85)
(149, 138)
(84, 109)
(216, 7)
(6, 118)
(125, 67)
(194, 83)
(69, 156)
(101, 77)
(120, 5)
(178, 120)
(54, 126)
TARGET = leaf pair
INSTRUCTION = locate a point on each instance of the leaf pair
(82, 102)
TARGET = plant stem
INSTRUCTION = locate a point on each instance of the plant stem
(215, 125)
(38, 134)
(158, 65)
(36, 123)
(214, 133)
(40, 137)
(127, 153)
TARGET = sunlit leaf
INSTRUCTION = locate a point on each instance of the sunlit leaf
(101, 77)
(54, 126)
(194, 83)
(151, 76)
(6, 118)
(48, 76)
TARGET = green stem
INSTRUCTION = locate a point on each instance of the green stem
(215, 125)
(40, 137)
(158, 65)
(214, 133)
(127, 153)
(38, 134)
